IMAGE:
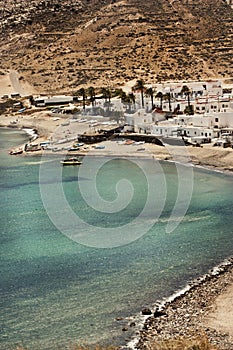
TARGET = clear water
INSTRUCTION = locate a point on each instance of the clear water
(55, 291)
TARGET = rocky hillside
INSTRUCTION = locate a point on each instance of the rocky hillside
(61, 45)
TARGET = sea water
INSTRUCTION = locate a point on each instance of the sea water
(57, 289)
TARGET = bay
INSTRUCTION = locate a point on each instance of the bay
(55, 291)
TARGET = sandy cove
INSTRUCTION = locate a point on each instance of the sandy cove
(208, 306)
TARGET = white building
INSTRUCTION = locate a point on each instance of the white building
(140, 121)
(175, 130)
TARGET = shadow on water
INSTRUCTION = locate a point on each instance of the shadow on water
(44, 182)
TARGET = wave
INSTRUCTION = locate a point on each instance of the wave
(32, 133)
(39, 162)
(160, 305)
(186, 218)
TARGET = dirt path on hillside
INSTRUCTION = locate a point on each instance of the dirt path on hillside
(11, 83)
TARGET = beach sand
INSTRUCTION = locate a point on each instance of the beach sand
(49, 126)
(220, 316)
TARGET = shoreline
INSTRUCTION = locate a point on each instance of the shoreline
(48, 127)
(190, 312)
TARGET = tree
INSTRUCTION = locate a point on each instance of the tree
(160, 96)
(120, 93)
(106, 94)
(186, 91)
(82, 92)
(150, 92)
(168, 97)
(91, 93)
(125, 98)
(139, 86)
(132, 98)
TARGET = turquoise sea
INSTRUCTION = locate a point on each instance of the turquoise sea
(56, 291)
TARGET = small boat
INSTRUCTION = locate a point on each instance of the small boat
(72, 149)
(99, 147)
(15, 152)
(71, 161)
(129, 142)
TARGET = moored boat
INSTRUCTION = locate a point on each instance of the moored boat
(15, 152)
(71, 161)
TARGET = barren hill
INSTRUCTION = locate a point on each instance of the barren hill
(63, 45)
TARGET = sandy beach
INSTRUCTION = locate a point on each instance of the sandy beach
(50, 126)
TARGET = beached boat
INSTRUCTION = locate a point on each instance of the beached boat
(129, 142)
(71, 161)
(72, 149)
(15, 152)
(99, 147)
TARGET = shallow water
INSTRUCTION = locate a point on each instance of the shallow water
(56, 291)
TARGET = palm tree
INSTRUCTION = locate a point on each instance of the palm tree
(120, 93)
(124, 97)
(139, 86)
(186, 91)
(168, 97)
(106, 94)
(91, 93)
(160, 96)
(132, 98)
(150, 92)
(82, 92)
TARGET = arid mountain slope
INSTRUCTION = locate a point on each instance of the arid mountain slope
(63, 45)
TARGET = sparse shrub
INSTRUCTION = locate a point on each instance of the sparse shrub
(199, 343)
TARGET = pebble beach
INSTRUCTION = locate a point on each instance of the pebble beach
(205, 308)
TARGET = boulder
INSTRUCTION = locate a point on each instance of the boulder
(146, 311)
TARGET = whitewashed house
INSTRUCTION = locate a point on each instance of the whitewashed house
(140, 121)
(176, 130)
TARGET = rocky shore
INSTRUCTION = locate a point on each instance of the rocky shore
(187, 315)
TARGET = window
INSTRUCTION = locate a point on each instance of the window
(216, 120)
